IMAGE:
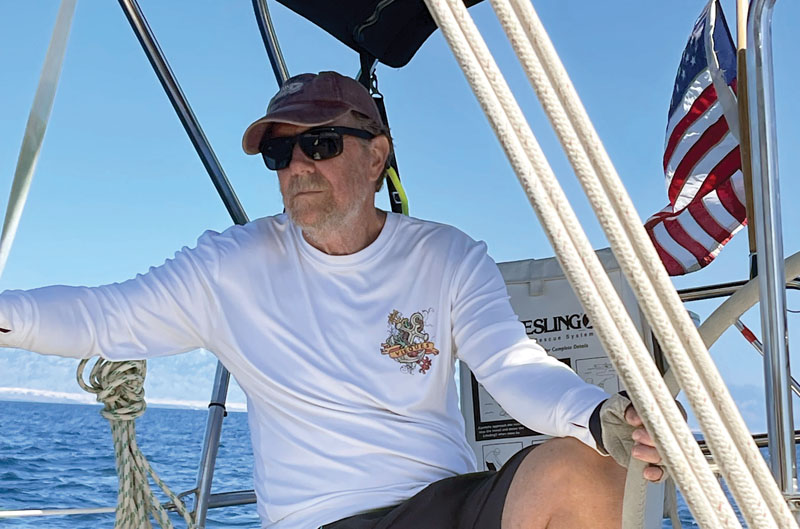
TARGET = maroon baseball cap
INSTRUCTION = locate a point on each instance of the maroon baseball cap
(312, 100)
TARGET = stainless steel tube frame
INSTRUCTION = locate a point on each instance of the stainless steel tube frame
(721, 290)
(182, 108)
(758, 346)
(219, 393)
(270, 39)
(766, 194)
(208, 457)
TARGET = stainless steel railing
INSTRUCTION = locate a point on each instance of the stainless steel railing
(769, 241)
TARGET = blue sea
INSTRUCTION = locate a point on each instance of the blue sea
(60, 456)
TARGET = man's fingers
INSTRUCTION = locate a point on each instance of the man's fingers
(642, 436)
(653, 473)
(623, 425)
(645, 453)
(632, 416)
(644, 448)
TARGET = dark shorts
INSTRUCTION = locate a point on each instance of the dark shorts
(468, 501)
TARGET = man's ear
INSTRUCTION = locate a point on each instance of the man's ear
(379, 152)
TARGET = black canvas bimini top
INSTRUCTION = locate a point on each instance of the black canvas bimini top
(390, 30)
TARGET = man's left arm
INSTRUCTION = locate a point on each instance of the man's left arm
(533, 387)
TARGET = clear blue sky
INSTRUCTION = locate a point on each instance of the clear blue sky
(119, 187)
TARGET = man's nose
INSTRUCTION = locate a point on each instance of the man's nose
(300, 162)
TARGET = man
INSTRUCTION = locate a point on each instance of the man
(342, 323)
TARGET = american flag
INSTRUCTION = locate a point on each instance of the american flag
(702, 163)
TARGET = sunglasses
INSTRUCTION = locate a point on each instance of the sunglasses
(320, 143)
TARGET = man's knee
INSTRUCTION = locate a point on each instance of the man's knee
(566, 459)
(561, 479)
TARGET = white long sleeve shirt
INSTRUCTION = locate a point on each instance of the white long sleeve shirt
(347, 361)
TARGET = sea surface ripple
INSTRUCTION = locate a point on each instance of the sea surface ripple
(61, 456)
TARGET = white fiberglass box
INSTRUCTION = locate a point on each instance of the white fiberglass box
(551, 313)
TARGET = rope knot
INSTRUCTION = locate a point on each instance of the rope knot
(118, 385)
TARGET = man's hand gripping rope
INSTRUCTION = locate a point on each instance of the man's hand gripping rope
(620, 433)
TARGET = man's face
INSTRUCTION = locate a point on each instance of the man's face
(326, 195)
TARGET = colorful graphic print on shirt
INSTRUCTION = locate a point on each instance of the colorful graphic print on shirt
(408, 343)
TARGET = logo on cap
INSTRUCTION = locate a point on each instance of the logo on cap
(289, 88)
(286, 90)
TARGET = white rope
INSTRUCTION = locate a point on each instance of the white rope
(35, 128)
(589, 252)
(743, 467)
(120, 387)
(578, 260)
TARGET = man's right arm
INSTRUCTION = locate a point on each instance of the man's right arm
(168, 310)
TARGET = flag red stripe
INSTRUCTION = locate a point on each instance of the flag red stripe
(674, 268)
(721, 172)
(710, 137)
(698, 211)
(728, 198)
(706, 98)
(709, 224)
(677, 232)
(658, 217)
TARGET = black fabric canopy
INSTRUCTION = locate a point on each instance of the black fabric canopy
(389, 30)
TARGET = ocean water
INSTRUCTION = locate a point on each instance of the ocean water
(59, 456)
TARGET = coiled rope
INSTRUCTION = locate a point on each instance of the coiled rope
(743, 467)
(120, 387)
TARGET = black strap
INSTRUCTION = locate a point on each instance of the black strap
(596, 428)
(394, 196)
(221, 405)
(368, 78)
(367, 69)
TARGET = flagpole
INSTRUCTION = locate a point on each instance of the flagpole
(744, 126)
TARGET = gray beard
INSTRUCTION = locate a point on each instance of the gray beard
(328, 223)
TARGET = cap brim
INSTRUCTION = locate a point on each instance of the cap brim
(304, 115)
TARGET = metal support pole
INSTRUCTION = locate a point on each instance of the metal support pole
(744, 127)
(182, 108)
(758, 346)
(217, 407)
(769, 238)
(270, 39)
(208, 457)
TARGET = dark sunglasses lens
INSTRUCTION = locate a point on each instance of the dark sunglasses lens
(321, 145)
(277, 152)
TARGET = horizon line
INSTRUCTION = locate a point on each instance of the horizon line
(61, 397)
